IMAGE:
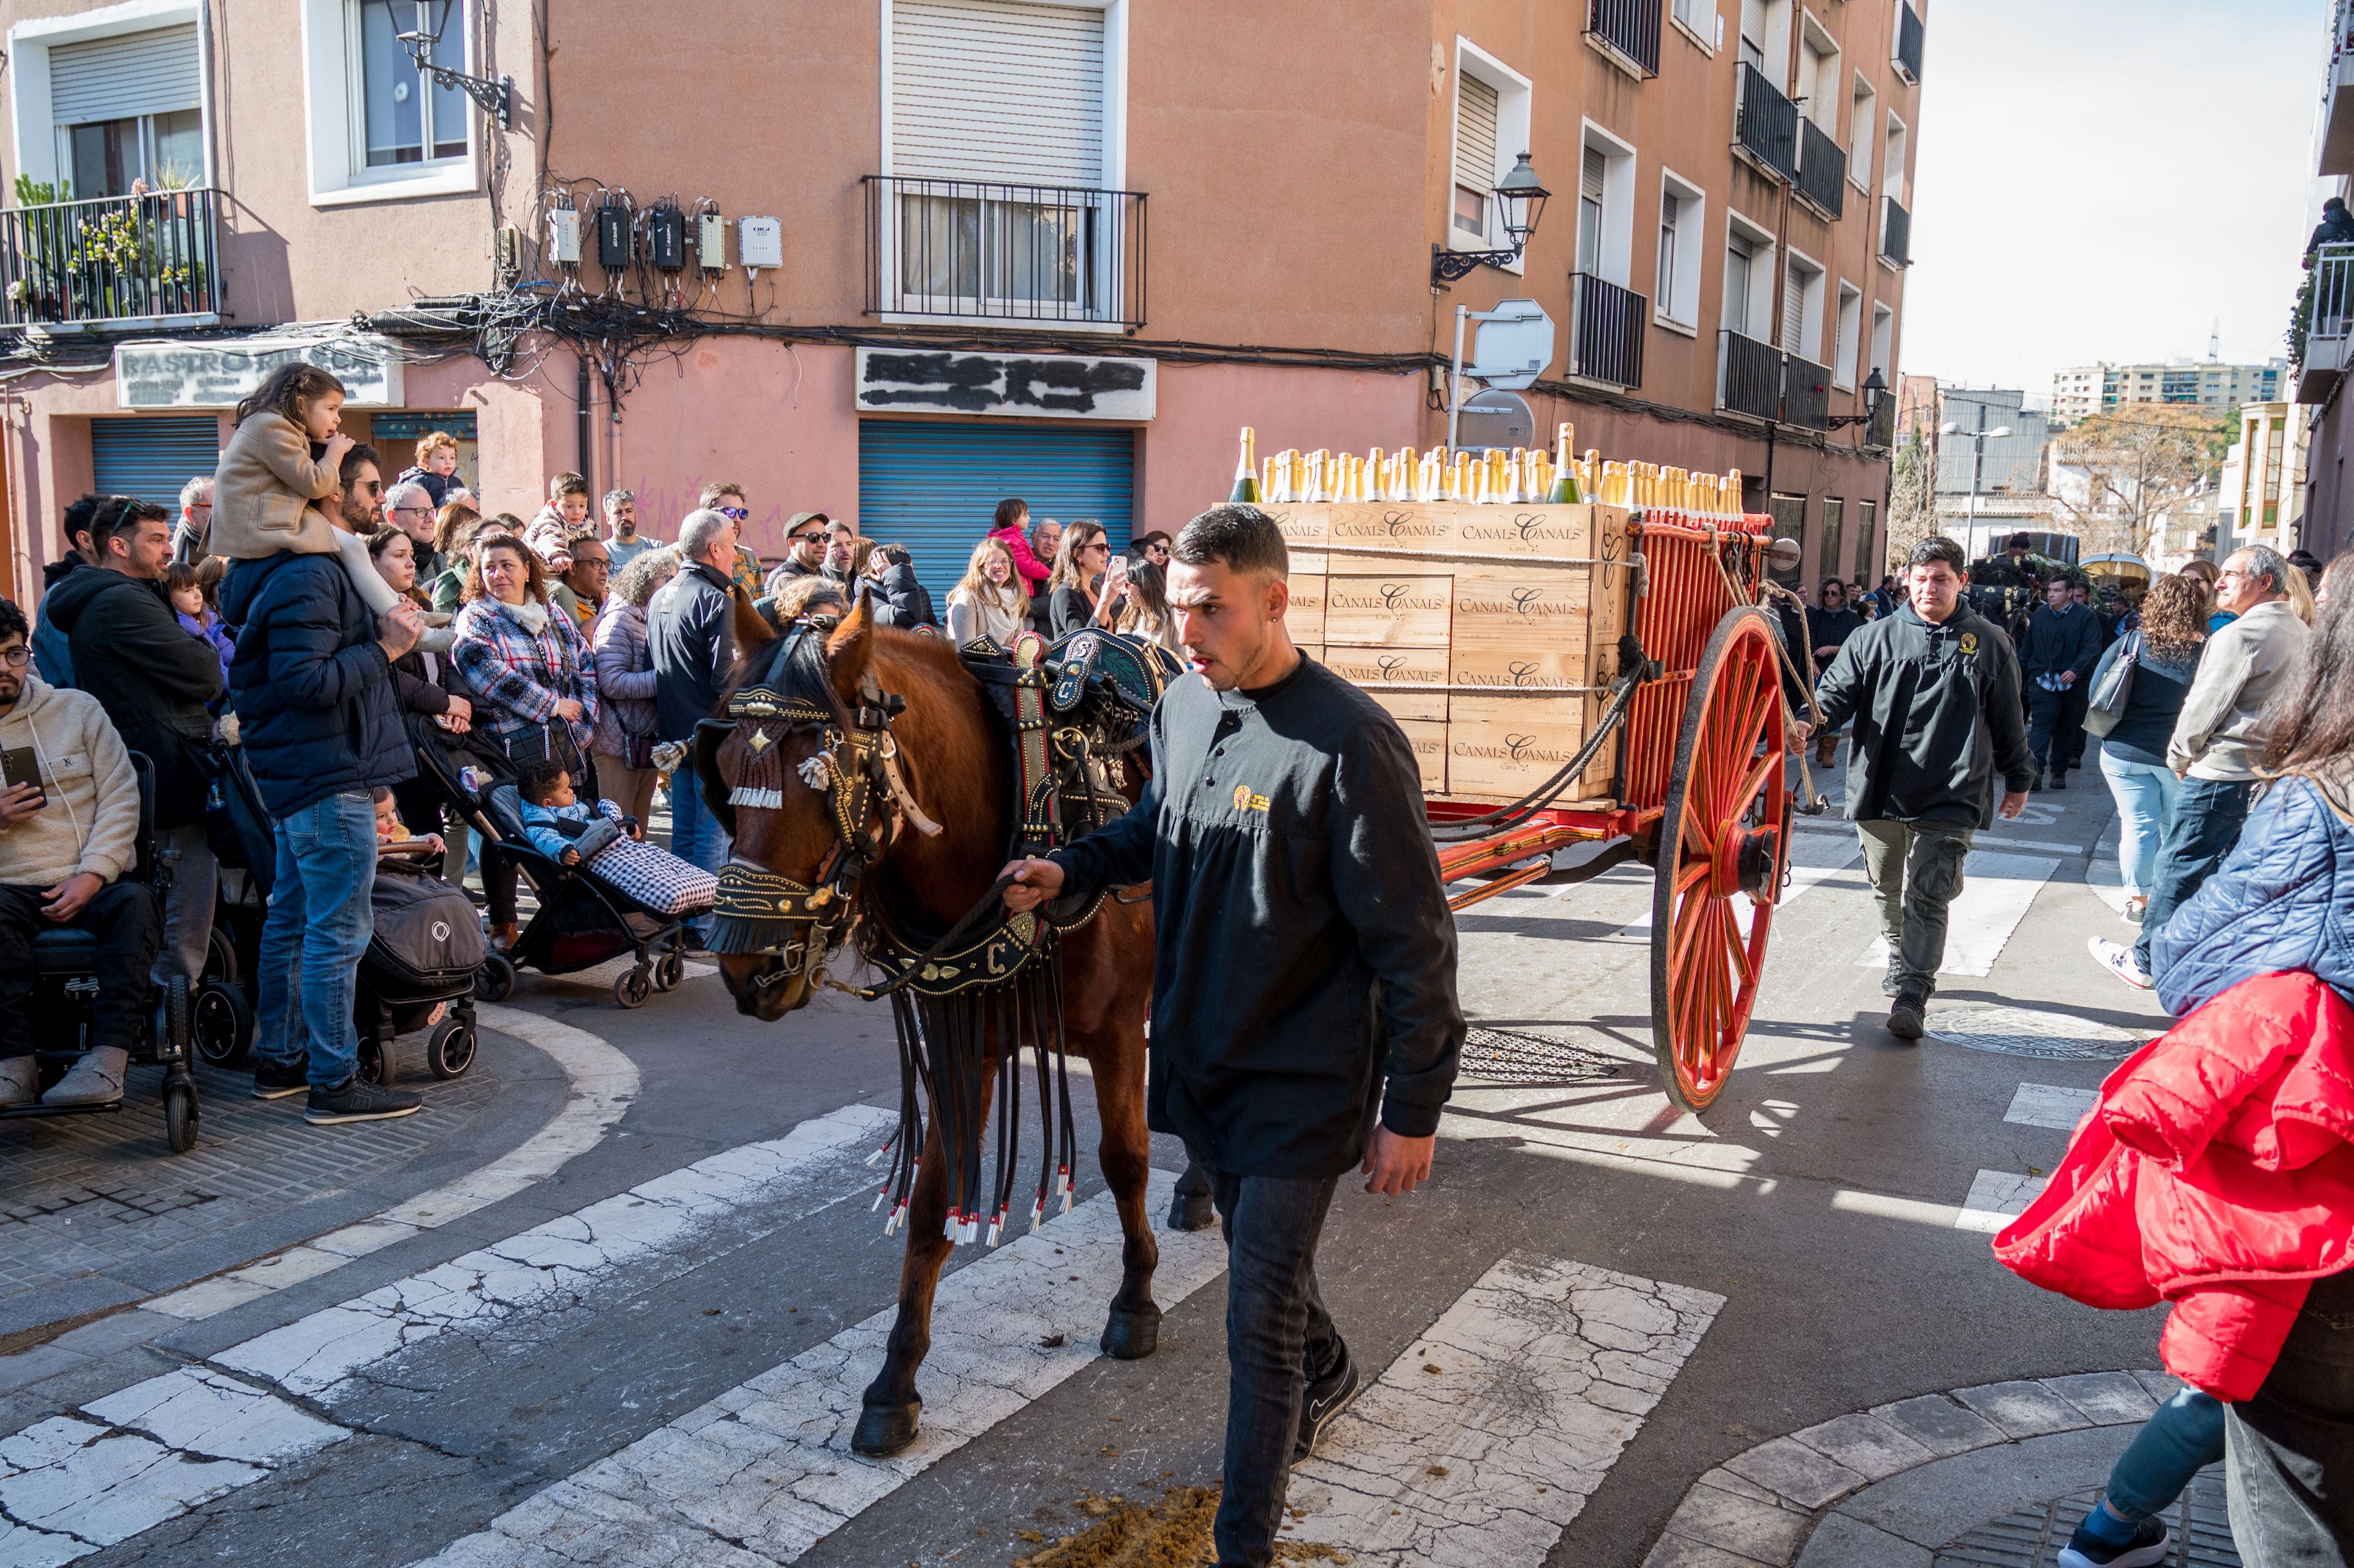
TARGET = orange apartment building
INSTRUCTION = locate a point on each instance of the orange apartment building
(995, 246)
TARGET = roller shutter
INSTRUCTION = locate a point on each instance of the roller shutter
(132, 73)
(1475, 133)
(993, 90)
(935, 487)
(152, 459)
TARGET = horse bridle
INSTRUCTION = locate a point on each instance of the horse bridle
(761, 911)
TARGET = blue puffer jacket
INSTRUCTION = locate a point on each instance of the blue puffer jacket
(2283, 899)
(317, 710)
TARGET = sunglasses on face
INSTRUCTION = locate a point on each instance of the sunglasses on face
(734, 514)
(810, 539)
(372, 486)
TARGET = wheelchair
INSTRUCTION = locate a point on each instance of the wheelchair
(66, 990)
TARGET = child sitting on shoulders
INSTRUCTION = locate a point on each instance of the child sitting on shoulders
(392, 835)
(288, 453)
(559, 824)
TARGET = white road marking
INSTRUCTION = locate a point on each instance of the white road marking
(2044, 846)
(757, 1475)
(2049, 1105)
(603, 1084)
(1997, 891)
(1996, 1198)
(1485, 1439)
(160, 1447)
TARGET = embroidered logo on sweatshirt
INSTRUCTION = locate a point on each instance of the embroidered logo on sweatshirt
(1970, 643)
(1246, 801)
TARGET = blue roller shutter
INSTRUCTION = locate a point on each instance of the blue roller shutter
(935, 487)
(152, 459)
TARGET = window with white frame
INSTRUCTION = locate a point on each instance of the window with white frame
(1819, 76)
(1765, 38)
(1491, 129)
(1748, 278)
(1862, 132)
(1606, 210)
(379, 127)
(1683, 223)
(128, 108)
(1847, 336)
(1802, 307)
(1883, 339)
(1891, 173)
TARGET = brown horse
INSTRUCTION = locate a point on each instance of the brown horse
(953, 766)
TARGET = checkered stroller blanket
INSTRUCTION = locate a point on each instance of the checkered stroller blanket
(653, 879)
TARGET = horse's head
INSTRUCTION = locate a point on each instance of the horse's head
(795, 770)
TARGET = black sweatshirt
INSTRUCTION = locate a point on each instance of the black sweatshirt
(1936, 711)
(1304, 948)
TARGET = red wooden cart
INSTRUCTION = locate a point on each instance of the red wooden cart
(1702, 797)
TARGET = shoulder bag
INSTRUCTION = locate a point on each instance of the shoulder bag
(2113, 688)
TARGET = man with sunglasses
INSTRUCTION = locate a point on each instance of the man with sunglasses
(727, 498)
(805, 551)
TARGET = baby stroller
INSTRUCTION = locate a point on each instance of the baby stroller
(221, 1025)
(420, 969)
(581, 921)
(66, 986)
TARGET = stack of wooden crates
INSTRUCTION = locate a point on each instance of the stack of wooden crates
(1489, 633)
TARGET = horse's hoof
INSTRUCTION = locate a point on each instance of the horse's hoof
(884, 1429)
(1132, 1336)
(1192, 1212)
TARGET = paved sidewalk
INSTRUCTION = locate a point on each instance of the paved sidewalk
(1992, 1477)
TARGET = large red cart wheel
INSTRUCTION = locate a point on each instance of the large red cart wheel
(1723, 840)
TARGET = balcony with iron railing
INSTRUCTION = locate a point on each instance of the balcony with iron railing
(1749, 377)
(1822, 170)
(1606, 337)
(126, 263)
(1806, 393)
(1896, 233)
(1765, 126)
(1908, 43)
(981, 250)
(2328, 315)
(1627, 33)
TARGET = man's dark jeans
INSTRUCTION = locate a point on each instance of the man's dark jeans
(123, 917)
(2208, 813)
(2055, 726)
(1276, 1326)
(2290, 1475)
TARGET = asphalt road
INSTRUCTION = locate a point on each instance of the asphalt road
(1595, 1300)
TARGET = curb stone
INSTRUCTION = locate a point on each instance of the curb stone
(1760, 1508)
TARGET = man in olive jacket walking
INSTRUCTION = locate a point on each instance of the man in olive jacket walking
(1934, 691)
(1304, 1014)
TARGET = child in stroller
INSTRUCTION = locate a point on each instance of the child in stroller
(423, 958)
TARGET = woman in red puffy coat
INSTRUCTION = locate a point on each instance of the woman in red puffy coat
(2217, 1171)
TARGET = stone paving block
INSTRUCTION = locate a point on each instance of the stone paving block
(2111, 1399)
(1675, 1552)
(2023, 1408)
(1794, 1471)
(1724, 1480)
(2162, 1385)
(1758, 1531)
(112, 1332)
(1938, 1424)
(26, 1367)
(1867, 1445)
(1843, 1542)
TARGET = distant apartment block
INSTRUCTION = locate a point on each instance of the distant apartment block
(2083, 390)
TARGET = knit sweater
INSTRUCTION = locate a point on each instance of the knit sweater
(92, 823)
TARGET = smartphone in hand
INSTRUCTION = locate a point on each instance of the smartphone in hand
(18, 764)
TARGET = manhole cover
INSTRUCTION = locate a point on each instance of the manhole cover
(2024, 1032)
(1514, 1058)
(2032, 1537)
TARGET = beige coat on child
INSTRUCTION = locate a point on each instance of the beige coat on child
(263, 490)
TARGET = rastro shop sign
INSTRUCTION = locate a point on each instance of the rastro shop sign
(216, 375)
(1035, 386)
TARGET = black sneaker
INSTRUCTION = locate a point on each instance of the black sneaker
(2058, 782)
(273, 1082)
(2150, 1544)
(1908, 1019)
(356, 1099)
(1322, 1399)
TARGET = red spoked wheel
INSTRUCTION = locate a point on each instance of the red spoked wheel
(1723, 842)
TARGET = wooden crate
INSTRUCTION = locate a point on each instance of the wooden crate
(1483, 630)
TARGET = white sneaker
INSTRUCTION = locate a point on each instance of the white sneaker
(95, 1080)
(2118, 961)
(20, 1081)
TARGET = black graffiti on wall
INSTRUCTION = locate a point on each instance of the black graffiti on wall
(986, 384)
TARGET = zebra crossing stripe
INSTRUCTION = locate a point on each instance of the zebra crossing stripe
(759, 1475)
(1484, 1440)
(1996, 1198)
(1996, 892)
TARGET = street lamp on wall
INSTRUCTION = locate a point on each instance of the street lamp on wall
(1520, 201)
(1875, 389)
(495, 98)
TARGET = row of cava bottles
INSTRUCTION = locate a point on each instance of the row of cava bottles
(1524, 476)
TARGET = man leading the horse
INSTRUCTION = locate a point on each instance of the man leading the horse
(1304, 976)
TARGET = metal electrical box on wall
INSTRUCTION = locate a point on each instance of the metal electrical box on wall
(762, 243)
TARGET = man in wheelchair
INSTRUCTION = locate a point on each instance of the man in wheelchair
(68, 832)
